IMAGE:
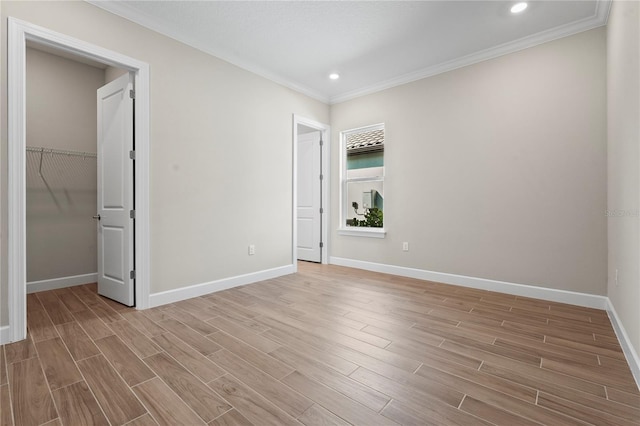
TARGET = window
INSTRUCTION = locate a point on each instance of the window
(363, 181)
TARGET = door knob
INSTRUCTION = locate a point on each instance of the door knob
(97, 217)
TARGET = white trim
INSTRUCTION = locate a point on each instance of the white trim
(554, 295)
(325, 129)
(598, 19)
(125, 11)
(627, 347)
(363, 232)
(16, 130)
(143, 185)
(4, 335)
(55, 283)
(18, 34)
(196, 290)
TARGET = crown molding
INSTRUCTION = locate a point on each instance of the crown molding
(598, 19)
(123, 10)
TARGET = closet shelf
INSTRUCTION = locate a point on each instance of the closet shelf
(52, 151)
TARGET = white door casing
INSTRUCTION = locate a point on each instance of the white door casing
(325, 131)
(309, 197)
(115, 192)
(18, 33)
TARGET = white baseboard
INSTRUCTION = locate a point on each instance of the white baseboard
(52, 284)
(629, 352)
(4, 335)
(561, 296)
(170, 296)
(553, 295)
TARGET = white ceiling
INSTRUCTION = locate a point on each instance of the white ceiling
(373, 45)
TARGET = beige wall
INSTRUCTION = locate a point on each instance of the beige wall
(623, 73)
(221, 150)
(496, 170)
(61, 114)
(111, 73)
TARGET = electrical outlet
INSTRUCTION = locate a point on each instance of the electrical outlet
(405, 246)
(252, 250)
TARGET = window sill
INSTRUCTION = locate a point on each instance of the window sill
(363, 232)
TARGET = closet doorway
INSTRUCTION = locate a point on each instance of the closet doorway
(310, 209)
(311, 190)
(79, 128)
(21, 33)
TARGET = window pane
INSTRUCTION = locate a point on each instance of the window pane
(366, 141)
(365, 160)
(373, 173)
(363, 177)
(365, 201)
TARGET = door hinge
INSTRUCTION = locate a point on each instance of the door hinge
(132, 275)
(321, 142)
(132, 155)
(321, 244)
(321, 177)
(132, 94)
(321, 210)
(132, 214)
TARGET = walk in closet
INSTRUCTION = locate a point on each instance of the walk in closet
(61, 167)
(61, 199)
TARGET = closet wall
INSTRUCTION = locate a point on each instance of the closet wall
(111, 73)
(61, 194)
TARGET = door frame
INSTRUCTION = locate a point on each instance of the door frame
(19, 32)
(325, 131)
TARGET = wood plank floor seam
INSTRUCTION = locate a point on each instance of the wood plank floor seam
(385, 405)
(8, 419)
(221, 415)
(49, 388)
(327, 345)
(142, 383)
(232, 388)
(84, 379)
(137, 418)
(461, 401)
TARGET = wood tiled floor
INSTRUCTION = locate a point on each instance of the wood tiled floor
(326, 346)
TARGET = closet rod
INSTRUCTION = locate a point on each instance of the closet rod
(52, 151)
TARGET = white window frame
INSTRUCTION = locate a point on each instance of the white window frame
(355, 231)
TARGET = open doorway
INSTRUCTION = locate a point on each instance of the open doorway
(21, 33)
(311, 178)
(62, 167)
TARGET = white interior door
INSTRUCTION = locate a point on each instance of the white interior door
(116, 276)
(309, 197)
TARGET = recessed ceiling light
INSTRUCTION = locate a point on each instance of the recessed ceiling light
(334, 76)
(519, 7)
